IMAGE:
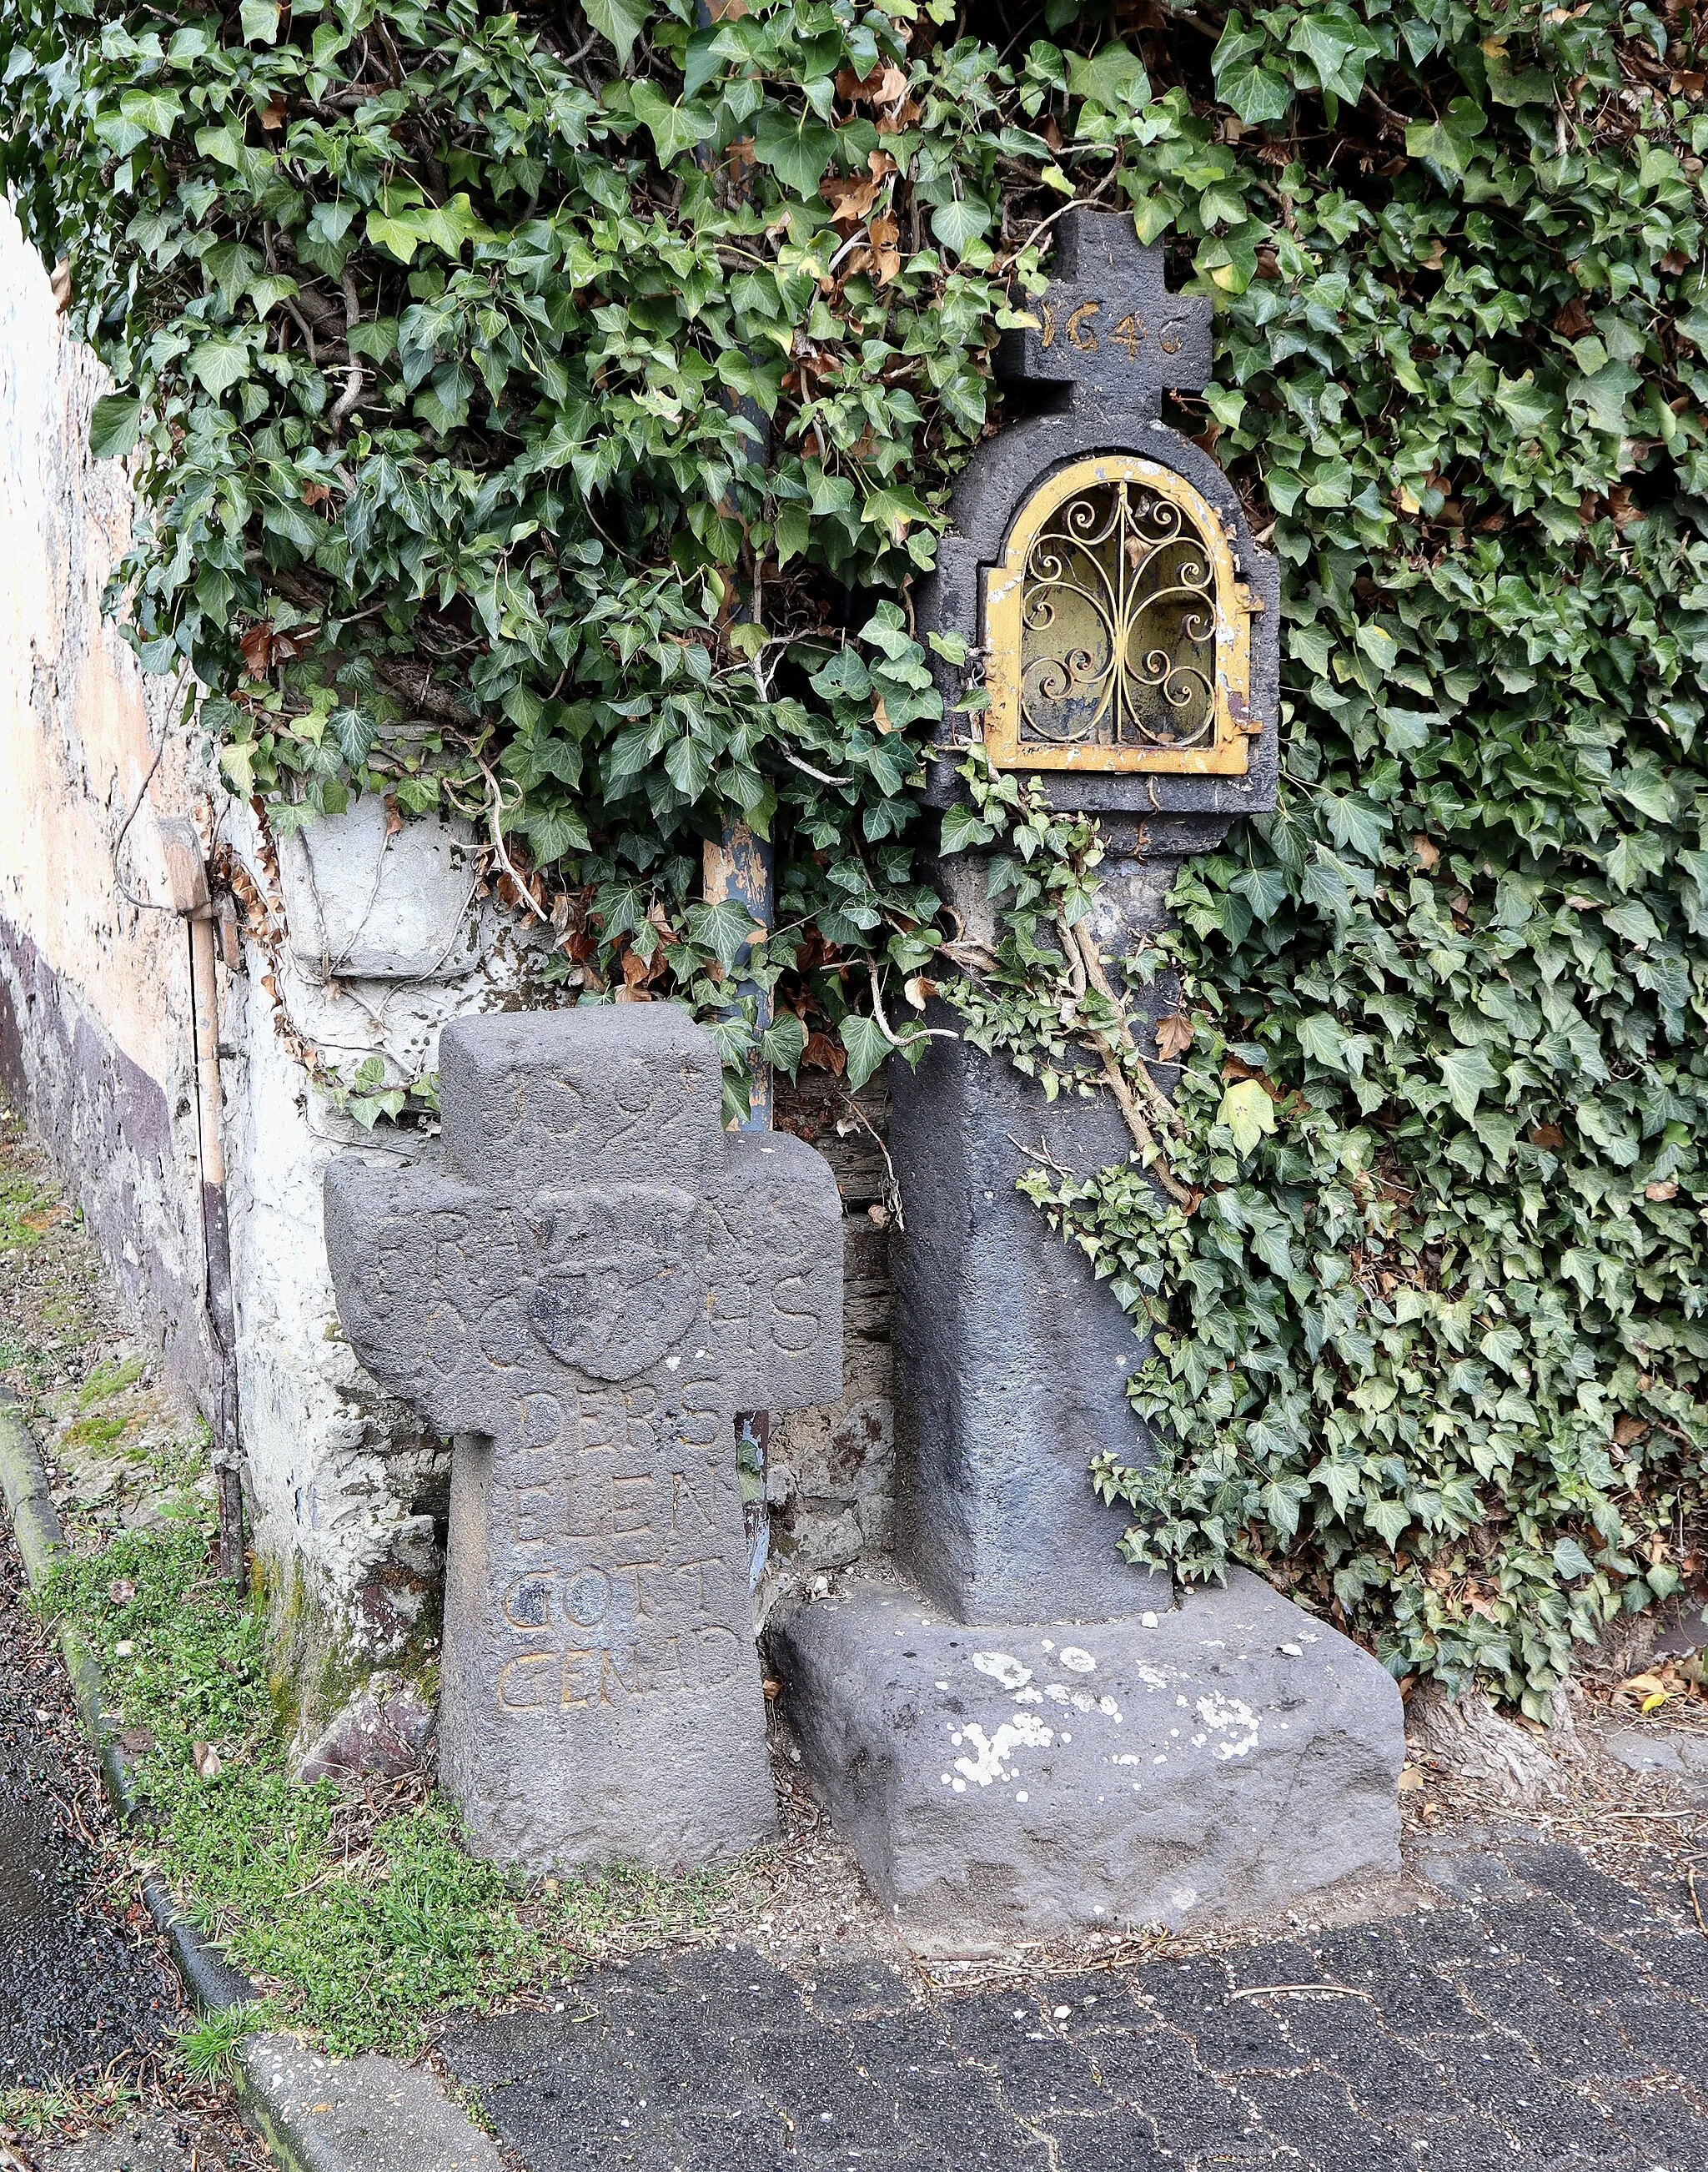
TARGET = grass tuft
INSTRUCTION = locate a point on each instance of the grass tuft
(360, 1918)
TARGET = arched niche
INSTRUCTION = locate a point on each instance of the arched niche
(1117, 629)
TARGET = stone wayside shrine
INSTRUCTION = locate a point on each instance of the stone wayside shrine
(582, 1293)
(1027, 1735)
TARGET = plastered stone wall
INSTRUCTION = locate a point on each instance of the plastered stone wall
(95, 1030)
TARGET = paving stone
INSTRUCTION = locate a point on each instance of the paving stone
(1313, 2113)
(991, 2026)
(1121, 2143)
(1574, 2043)
(1286, 1962)
(891, 2047)
(1241, 2036)
(1412, 2002)
(963, 2122)
(1471, 2144)
(1043, 2081)
(1373, 2151)
(1666, 2126)
(1507, 2086)
(1681, 1961)
(716, 2060)
(1096, 2002)
(1590, 1893)
(1592, 1971)
(1450, 1939)
(1470, 1875)
(1392, 2083)
(1667, 2033)
(838, 1988)
(1157, 2075)
(1330, 2025)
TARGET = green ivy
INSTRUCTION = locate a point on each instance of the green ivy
(544, 416)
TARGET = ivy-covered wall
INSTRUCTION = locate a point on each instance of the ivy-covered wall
(543, 416)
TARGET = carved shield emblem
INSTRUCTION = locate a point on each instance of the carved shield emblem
(621, 1275)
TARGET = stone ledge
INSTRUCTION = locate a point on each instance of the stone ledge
(1216, 1761)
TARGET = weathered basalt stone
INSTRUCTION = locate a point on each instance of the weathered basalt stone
(1211, 1762)
(583, 1292)
(1019, 1779)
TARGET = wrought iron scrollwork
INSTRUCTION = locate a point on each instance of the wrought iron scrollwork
(1118, 625)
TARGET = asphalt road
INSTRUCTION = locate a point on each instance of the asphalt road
(1546, 2019)
(78, 1988)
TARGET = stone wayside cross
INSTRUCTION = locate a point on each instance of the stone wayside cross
(582, 1293)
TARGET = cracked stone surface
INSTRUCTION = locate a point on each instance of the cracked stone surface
(1554, 2022)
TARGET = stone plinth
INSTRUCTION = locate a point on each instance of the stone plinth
(1212, 1762)
(593, 1281)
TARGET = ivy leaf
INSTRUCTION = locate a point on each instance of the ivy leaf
(1388, 1517)
(1570, 1560)
(956, 225)
(258, 21)
(398, 234)
(1605, 396)
(619, 22)
(1338, 47)
(158, 112)
(962, 830)
(216, 364)
(868, 1045)
(797, 147)
(673, 129)
(1355, 825)
(1447, 145)
(783, 1042)
(725, 928)
(1525, 404)
(115, 425)
(1113, 79)
(355, 732)
(1247, 1112)
(1323, 1039)
(1255, 91)
(1468, 1074)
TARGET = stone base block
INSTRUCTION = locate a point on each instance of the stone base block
(1218, 1760)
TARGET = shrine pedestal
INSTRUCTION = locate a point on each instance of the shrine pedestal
(1029, 1737)
(1213, 1761)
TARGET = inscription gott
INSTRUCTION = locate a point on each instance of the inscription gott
(582, 1291)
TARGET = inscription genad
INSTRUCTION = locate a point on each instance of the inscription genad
(624, 1593)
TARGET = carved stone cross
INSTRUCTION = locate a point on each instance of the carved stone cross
(1107, 322)
(583, 1292)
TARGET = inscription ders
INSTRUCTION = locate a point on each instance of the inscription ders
(582, 1293)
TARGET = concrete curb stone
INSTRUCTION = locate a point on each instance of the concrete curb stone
(370, 2114)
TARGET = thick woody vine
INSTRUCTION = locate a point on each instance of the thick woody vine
(542, 416)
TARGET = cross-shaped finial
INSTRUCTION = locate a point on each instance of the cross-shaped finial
(1107, 324)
